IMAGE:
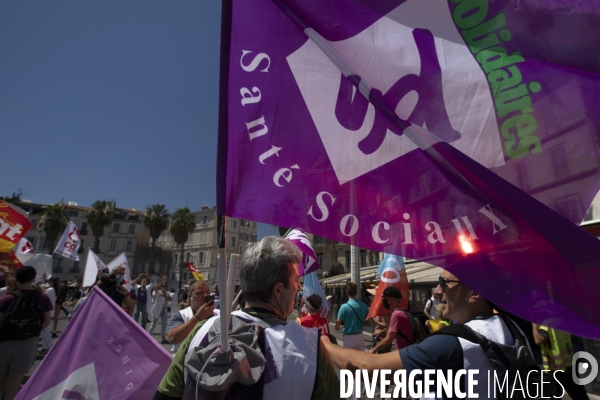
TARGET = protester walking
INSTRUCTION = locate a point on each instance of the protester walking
(144, 302)
(313, 319)
(18, 340)
(50, 289)
(352, 314)
(159, 309)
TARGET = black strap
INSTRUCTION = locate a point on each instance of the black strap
(467, 333)
(355, 313)
(410, 321)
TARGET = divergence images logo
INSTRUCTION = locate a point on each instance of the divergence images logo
(582, 367)
(421, 68)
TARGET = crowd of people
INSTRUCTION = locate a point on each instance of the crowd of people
(274, 357)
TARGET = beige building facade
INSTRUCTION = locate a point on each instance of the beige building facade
(123, 235)
(202, 245)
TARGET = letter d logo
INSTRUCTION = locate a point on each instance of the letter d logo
(583, 367)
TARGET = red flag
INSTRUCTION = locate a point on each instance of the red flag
(195, 271)
(13, 226)
(392, 273)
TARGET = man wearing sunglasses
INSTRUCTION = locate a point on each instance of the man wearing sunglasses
(441, 352)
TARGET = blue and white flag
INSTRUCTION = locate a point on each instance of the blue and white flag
(312, 285)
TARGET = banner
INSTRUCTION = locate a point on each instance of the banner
(460, 133)
(93, 266)
(196, 273)
(41, 262)
(309, 261)
(23, 247)
(312, 285)
(13, 226)
(102, 354)
(69, 242)
(121, 261)
(392, 272)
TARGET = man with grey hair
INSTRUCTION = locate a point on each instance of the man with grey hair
(297, 365)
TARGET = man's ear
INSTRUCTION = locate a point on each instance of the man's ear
(474, 297)
(277, 289)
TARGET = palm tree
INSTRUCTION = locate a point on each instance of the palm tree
(156, 220)
(53, 222)
(183, 222)
(99, 216)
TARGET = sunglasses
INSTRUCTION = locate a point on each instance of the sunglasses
(443, 282)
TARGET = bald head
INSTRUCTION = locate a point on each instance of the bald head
(196, 294)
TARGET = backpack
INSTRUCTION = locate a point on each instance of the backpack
(509, 362)
(23, 319)
(419, 333)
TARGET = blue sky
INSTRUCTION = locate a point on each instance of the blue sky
(110, 100)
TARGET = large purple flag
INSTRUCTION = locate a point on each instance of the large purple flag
(102, 354)
(462, 133)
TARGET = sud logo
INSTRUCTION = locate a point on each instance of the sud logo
(421, 70)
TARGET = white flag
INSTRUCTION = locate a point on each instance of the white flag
(93, 266)
(121, 261)
(69, 243)
(23, 247)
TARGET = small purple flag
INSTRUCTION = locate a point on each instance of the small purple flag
(462, 133)
(102, 354)
(309, 261)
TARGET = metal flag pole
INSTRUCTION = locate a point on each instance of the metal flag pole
(221, 277)
(233, 266)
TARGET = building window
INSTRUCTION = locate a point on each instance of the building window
(46, 243)
(187, 257)
(176, 259)
(190, 238)
(58, 265)
(73, 213)
(113, 245)
(204, 220)
(129, 245)
(80, 250)
(202, 237)
(320, 259)
(318, 240)
(74, 268)
(560, 165)
(233, 241)
(185, 276)
(116, 228)
(569, 206)
(83, 230)
(132, 228)
(363, 258)
(173, 276)
(201, 258)
(234, 224)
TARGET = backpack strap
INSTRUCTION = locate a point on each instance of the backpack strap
(467, 333)
(409, 317)
(355, 313)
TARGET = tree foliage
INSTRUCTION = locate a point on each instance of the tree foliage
(53, 222)
(99, 216)
(183, 222)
